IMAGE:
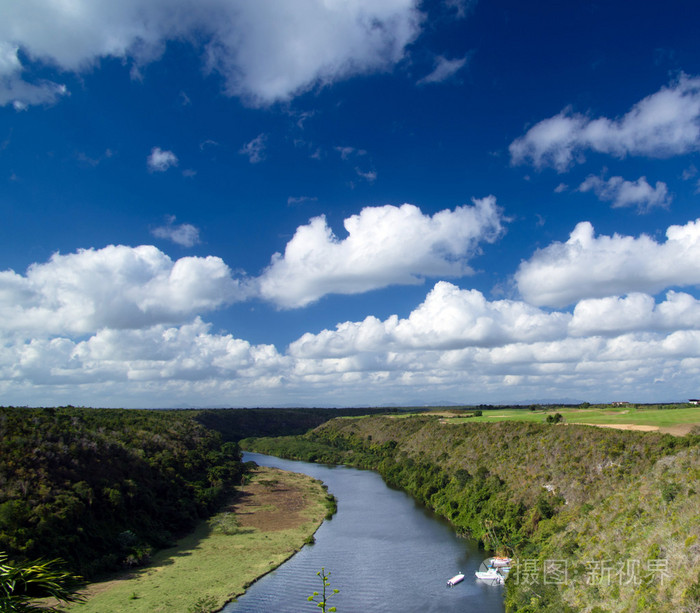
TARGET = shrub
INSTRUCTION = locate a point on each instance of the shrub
(225, 523)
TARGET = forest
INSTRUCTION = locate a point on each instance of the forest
(102, 489)
(600, 519)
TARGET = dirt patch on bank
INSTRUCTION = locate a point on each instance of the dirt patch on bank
(679, 429)
(638, 427)
(272, 501)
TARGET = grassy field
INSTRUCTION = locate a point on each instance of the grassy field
(677, 421)
(275, 514)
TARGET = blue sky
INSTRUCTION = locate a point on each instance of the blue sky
(226, 203)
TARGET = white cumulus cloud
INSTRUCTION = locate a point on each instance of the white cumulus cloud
(386, 245)
(624, 193)
(160, 160)
(114, 287)
(122, 326)
(456, 345)
(586, 266)
(614, 315)
(156, 355)
(664, 124)
(449, 318)
(265, 50)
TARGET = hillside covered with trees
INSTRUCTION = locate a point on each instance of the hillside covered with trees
(103, 488)
(599, 519)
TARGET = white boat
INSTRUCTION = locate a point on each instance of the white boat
(500, 562)
(492, 575)
(455, 580)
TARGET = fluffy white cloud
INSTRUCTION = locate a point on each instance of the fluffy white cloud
(586, 266)
(449, 318)
(664, 124)
(121, 326)
(184, 234)
(160, 161)
(457, 342)
(504, 351)
(189, 352)
(370, 335)
(264, 50)
(114, 287)
(616, 315)
(629, 193)
(385, 246)
(452, 318)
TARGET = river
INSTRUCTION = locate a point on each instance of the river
(386, 553)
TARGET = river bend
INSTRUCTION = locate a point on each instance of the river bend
(386, 553)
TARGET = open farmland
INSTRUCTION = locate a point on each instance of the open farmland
(671, 419)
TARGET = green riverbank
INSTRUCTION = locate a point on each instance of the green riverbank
(275, 514)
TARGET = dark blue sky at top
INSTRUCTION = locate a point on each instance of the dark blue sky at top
(74, 175)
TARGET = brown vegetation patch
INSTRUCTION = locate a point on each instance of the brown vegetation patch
(638, 427)
(269, 502)
(678, 429)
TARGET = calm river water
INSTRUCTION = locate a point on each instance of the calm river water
(386, 553)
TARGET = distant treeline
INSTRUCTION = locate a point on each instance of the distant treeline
(615, 510)
(101, 488)
(235, 424)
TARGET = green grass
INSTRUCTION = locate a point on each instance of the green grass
(662, 418)
(668, 417)
(209, 567)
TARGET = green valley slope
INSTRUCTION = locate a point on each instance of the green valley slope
(599, 519)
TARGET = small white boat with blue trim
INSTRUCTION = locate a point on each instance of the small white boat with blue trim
(491, 575)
